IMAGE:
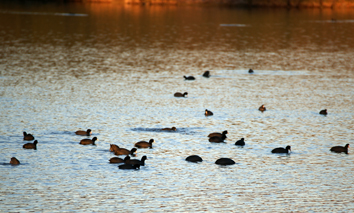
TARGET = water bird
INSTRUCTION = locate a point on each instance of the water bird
(81, 132)
(262, 108)
(31, 145)
(218, 134)
(178, 94)
(113, 147)
(217, 139)
(116, 160)
(194, 158)
(129, 166)
(208, 113)
(250, 71)
(27, 137)
(189, 78)
(141, 162)
(240, 142)
(340, 149)
(206, 74)
(323, 112)
(14, 161)
(224, 161)
(169, 129)
(89, 141)
(287, 149)
(144, 144)
(123, 151)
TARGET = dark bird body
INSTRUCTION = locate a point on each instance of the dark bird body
(250, 71)
(206, 74)
(113, 147)
(116, 160)
(240, 142)
(141, 162)
(189, 78)
(31, 145)
(88, 141)
(169, 129)
(14, 161)
(122, 151)
(218, 134)
(340, 149)
(81, 132)
(27, 137)
(129, 166)
(178, 94)
(208, 113)
(144, 144)
(282, 150)
(262, 108)
(217, 139)
(225, 161)
(323, 112)
(194, 158)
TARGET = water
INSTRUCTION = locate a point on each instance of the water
(114, 68)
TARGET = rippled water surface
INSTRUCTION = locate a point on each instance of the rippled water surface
(114, 68)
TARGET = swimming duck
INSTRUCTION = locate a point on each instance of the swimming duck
(144, 144)
(116, 160)
(240, 142)
(122, 151)
(323, 112)
(178, 94)
(250, 71)
(81, 132)
(218, 134)
(262, 108)
(113, 147)
(225, 161)
(89, 141)
(282, 150)
(340, 149)
(14, 161)
(129, 166)
(31, 145)
(141, 162)
(208, 113)
(194, 158)
(217, 139)
(27, 137)
(189, 77)
(206, 74)
(169, 129)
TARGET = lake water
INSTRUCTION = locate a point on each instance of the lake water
(114, 68)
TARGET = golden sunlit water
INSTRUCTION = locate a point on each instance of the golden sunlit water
(114, 68)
